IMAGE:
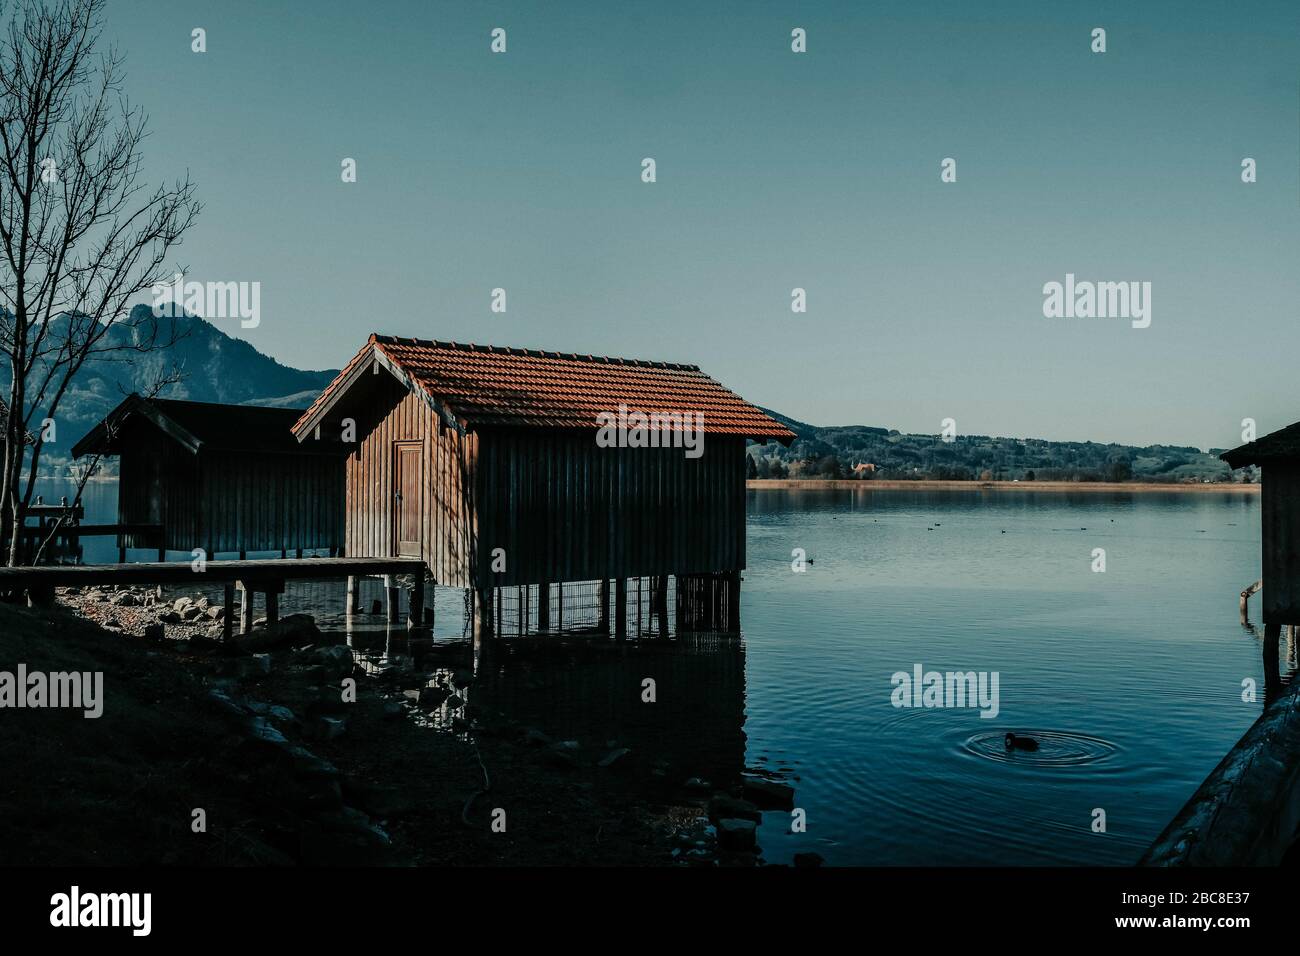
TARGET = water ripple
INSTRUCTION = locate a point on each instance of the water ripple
(1056, 748)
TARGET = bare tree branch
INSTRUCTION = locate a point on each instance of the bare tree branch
(81, 234)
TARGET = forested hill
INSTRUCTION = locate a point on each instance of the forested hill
(833, 451)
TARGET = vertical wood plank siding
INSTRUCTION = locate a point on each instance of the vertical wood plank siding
(1280, 540)
(400, 416)
(227, 501)
(562, 508)
(158, 483)
(566, 510)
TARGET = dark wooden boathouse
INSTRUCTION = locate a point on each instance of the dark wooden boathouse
(224, 478)
(1278, 457)
(484, 462)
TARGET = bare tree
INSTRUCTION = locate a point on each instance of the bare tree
(81, 233)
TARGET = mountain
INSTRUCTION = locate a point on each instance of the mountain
(213, 367)
(217, 368)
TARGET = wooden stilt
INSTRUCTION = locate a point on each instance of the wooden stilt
(354, 595)
(544, 607)
(228, 618)
(245, 609)
(392, 594)
(272, 607)
(602, 605)
(620, 608)
(733, 602)
(1272, 677)
(415, 612)
(661, 603)
(559, 606)
(482, 614)
(685, 594)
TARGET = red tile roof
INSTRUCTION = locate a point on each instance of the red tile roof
(494, 386)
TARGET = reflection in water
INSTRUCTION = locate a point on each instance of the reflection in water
(596, 691)
(592, 692)
(1140, 669)
(1278, 672)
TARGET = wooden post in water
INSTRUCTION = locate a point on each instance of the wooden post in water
(245, 608)
(354, 595)
(228, 618)
(482, 614)
(660, 602)
(620, 608)
(679, 609)
(415, 613)
(733, 602)
(559, 606)
(544, 607)
(392, 594)
(602, 605)
(272, 606)
(1272, 677)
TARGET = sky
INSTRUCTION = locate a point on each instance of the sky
(775, 170)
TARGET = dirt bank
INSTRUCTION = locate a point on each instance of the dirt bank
(288, 767)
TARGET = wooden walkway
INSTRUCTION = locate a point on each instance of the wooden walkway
(250, 576)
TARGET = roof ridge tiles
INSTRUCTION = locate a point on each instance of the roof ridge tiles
(504, 385)
(441, 344)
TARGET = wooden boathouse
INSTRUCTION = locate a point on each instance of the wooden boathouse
(224, 478)
(1278, 457)
(510, 473)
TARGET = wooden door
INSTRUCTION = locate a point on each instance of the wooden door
(408, 515)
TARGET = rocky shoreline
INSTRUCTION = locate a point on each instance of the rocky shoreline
(377, 761)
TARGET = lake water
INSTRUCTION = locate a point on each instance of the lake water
(1139, 668)
(1131, 678)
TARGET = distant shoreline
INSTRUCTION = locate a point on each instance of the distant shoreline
(760, 484)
